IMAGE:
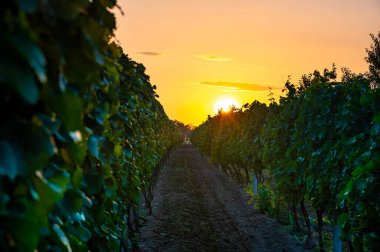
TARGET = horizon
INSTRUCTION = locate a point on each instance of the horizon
(200, 52)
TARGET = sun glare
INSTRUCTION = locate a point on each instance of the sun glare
(225, 104)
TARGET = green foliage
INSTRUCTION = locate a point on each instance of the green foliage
(81, 131)
(265, 200)
(373, 59)
(319, 144)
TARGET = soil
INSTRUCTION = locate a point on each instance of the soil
(197, 208)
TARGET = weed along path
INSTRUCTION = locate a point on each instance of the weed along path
(197, 208)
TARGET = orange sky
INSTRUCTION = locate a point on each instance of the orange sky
(199, 51)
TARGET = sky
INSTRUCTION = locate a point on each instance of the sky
(198, 52)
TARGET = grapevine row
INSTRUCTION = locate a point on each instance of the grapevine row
(81, 132)
(315, 152)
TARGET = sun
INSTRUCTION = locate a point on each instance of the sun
(225, 104)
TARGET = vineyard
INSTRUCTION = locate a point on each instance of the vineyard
(82, 134)
(83, 141)
(313, 155)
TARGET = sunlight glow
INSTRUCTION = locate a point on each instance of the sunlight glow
(201, 51)
(225, 104)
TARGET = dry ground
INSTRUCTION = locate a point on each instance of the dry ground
(197, 208)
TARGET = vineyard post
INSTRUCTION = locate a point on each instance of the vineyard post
(219, 167)
(254, 186)
(337, 242)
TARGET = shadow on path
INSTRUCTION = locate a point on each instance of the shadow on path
(197, 208)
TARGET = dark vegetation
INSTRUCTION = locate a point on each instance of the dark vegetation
(81, 133)
(315, 153)
(185, 129)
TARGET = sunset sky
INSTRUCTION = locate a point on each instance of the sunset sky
(198, 52)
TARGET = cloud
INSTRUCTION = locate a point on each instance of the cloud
(240, 86)
(149, 53)
(213, 58)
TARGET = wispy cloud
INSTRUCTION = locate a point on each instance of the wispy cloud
(149, 53)
(240, 86)
(214, 58)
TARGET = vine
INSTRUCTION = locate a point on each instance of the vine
(81, 134)
(318, 147)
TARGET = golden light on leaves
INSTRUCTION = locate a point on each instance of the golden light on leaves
(225, 104)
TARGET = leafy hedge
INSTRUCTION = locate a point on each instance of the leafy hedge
(81, 133)
(319, 145)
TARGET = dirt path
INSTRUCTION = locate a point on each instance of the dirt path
(197, 208)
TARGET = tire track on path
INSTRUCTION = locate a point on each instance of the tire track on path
(197, 208)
